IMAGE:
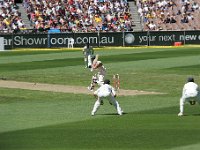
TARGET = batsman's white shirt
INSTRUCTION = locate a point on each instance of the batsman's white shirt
(190, 89)
(105, 90)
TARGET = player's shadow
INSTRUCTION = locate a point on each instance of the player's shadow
(197, 114)
(189, 110)
(112, 114)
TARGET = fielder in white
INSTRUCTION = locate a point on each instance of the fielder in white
(106, 91)
(98, 78)
(190, 93)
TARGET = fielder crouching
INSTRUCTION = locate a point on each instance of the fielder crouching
(106, 91)
(190, 93)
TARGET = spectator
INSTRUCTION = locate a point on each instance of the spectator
(156, 10)
(195, 6)
(184, 19)
(152, 26)
(79, 16)
(10, 16)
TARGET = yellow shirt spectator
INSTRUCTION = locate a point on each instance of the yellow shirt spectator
(97, 19)
(149, 15)
(7, 21)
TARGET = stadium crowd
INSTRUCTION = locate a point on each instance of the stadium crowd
(169, 14)
(99, 15)
(10, 17)
(79, 15)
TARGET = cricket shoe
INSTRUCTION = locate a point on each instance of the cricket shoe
(120, 113)
(180, 114)
(92, 113)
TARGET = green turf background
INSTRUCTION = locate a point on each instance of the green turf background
(36, 120)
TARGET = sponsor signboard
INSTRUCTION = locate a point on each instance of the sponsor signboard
(164, 37)
(8, 44)
(2, 44)
(191, 37)
(59, 39)
(135, 38)
(45, 40)
(28, 41)
(81, 38)
(111, 39)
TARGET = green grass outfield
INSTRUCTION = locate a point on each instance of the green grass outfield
(38, 120)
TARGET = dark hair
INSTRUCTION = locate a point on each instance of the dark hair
(106, 81)
(190, 79)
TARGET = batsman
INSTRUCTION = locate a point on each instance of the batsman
(98, 78)
(88, 53)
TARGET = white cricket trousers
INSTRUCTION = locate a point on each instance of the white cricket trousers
(89, 61)
(186, 97)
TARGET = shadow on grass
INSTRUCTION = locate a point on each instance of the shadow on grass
(111, 114)
(189, 110)
(137, 130)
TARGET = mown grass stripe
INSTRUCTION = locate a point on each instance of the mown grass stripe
(37, 55)
(57, 121)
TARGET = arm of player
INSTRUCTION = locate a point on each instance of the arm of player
(95, 60)
(113, 92)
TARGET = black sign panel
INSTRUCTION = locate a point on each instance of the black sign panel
(135, 38)
(8, 42)
(34, 40)
(191, 37)
(82, 38)
(59, 39)
(111, 39)
(164, 38)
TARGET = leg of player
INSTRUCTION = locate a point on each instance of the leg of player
(89, 61)
(182, 101)
(93, 82)
(85, 61)
(96, 106)
(115, 103)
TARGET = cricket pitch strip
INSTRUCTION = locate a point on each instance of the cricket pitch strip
(64, 88)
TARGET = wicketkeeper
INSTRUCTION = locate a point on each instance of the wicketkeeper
(106, 91)
(190, 93)
(88, 53)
